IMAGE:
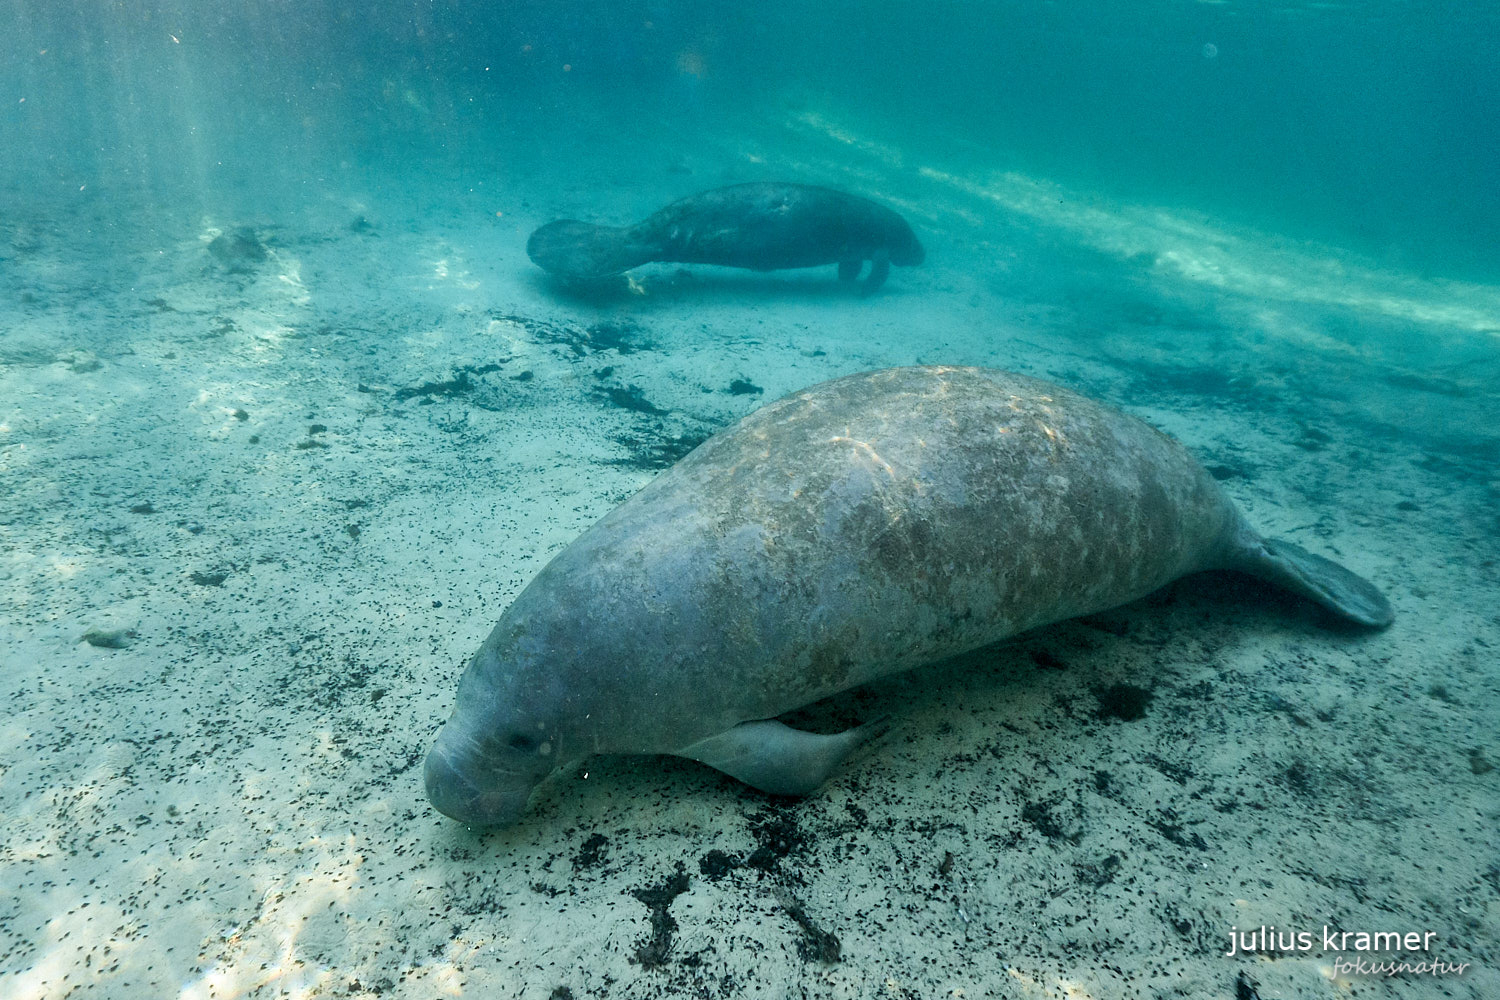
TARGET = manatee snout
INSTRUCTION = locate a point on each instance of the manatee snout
(908, 252)
(463, 786)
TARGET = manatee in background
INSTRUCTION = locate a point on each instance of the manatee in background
(858, 528)
(764, 227)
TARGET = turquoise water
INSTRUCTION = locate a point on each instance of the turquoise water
(288, 419)
(1370, 126)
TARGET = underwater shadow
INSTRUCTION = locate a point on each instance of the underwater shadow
(712, 286)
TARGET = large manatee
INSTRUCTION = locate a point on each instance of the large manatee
(861, 527)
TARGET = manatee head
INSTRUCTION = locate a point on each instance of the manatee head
(512, 726)
(484, 779)
(905, 249)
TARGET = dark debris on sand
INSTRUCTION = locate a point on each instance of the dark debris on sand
(239, 250)
(622, 336)
(461, 385)
(655, 950)
(630, 397)
(816, 944)
(661, 451)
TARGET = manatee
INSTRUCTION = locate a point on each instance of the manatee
(764, 227)
(864, 526)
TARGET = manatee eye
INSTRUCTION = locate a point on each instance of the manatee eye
(521, 741)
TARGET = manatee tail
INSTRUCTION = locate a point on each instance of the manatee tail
(1293, 568)
(579, 250)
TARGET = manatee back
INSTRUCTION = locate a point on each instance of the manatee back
(862, 527)
(767, 226)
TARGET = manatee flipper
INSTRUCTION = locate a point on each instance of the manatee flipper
(849, 269)
(776, 758)
(880, 266)
(1293, 568)
(576, 251)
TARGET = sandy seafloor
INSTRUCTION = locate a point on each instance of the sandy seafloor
(299, 492)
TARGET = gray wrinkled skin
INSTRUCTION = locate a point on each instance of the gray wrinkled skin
(861, 527)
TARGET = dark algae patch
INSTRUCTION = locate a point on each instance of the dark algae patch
(117, 638)
(592, 853)
(1097, 873)
(779, 837)
(620, 336)
(312, 440)
(1478, 763)
(1175, 830)
(1179, 773)
(1125, 702)
(815, 944)
(461, 385)
(660, 452)
(1041, 817)
(655, 950)
(716, 864)
(630, 397)
(238, 251)
(779, 841)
